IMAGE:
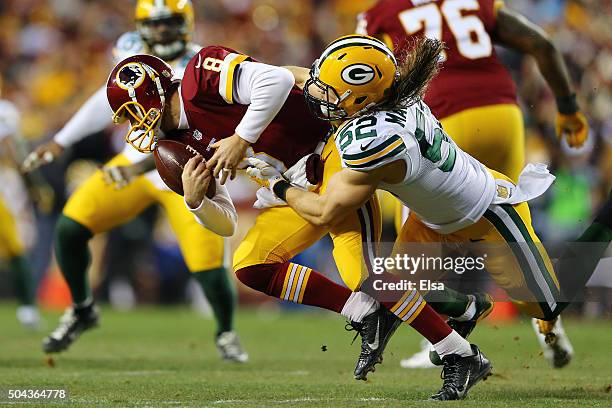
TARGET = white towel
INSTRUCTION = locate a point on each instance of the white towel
(534, 180)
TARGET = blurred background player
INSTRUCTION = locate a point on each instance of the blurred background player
(15, 216)
(116, 194)
(475, 99)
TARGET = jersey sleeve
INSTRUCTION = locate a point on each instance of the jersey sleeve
(127, 45)
(365, 148)
(371, 23)
(209, 76)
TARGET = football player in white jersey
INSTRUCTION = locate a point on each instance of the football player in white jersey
(118, 192)
(388, 139)
(16, 231)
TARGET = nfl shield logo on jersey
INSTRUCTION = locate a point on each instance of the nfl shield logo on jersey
(197, 135)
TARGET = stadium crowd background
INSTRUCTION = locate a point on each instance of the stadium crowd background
(55, 53)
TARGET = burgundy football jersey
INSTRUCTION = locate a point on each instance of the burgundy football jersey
(471, 74)
(206, 90)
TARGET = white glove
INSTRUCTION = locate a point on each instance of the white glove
(267, 199)
(262, 173)
(117, 176)
(297, 175)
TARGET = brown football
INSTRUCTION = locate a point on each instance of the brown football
(170, 160)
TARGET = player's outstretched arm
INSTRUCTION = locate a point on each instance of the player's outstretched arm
(518, 33)
(122, 176)
(93, 117)
(300, 74)
(345, 192)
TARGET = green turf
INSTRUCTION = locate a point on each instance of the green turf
(166, 357)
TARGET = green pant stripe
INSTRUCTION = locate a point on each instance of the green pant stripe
(521, 258)
(518, 221)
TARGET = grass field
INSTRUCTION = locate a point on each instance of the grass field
(166, 357)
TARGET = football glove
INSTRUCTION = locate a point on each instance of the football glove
(267, 199)
(261, 172)
(574, 128)
(307, 173)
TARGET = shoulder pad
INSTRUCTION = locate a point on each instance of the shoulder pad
(368, 142)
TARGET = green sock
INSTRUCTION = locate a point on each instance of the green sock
(221, 295)
(448, 301)
(73, 257)
(23, 279)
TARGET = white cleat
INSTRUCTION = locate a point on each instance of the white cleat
(29, 317)
(419, 359)
(554, 342)
(230, 349)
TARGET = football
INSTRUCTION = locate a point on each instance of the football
(171, 156)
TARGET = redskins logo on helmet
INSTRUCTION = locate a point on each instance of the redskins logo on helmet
(166, 26)
(137, 90)
(352, 75)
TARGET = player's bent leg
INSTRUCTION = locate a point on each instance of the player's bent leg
(204, 252)
(93, 208)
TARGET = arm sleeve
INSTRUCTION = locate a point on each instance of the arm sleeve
(218, 214)
(93, 117)
(265, 89)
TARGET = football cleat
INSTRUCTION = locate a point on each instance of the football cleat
(376, 329)
(229, 347)
(554, 342)
(462, 373)
(484, 306)
(29, 317)
(73, 322)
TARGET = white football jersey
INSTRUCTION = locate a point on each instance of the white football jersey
(447, 188)
(9, 119)
(129, 44)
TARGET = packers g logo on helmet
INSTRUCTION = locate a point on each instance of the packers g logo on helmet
(358, 74)
(353, 74)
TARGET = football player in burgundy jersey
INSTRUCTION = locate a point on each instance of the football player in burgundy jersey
(474, 93)
(164, 29)
(225, 95)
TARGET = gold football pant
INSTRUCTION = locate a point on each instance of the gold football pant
(10, 242)
(100, 207)
(493, 135)
(280, 233)
(513, 255)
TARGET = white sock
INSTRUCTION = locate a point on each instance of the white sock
(470, 312)
(358, 306)
(453, 344)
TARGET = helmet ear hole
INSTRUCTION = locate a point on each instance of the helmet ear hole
(360, 100)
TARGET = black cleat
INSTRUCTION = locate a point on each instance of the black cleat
(462, 373)
(484, 306)
(375, 330)
(72, 323)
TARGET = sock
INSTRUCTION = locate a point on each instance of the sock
(453, 344)
(448, 301)
(470, 312)
(23, 280)
(73, 257)
(295, 283)
(410, 307)
(358, 306)
(221, 295)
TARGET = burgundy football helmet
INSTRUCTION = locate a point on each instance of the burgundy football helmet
(137, 89)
